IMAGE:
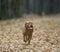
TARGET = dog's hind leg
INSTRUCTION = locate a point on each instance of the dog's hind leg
(24, 38)
(29, 38)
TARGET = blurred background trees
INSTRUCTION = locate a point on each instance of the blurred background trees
(9, 9)
(16, 8)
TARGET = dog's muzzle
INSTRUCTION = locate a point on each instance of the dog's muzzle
(30, 27)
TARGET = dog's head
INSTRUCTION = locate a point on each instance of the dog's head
(28, 25)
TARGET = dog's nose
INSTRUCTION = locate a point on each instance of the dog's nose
(30, 27)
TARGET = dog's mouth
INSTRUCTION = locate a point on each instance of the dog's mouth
(30, 27)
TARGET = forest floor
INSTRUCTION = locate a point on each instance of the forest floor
(46, 35)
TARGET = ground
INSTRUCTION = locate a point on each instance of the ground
(46, 35)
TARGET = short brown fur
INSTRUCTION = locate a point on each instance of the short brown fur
(27, 33)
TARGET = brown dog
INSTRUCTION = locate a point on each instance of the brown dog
(27, 32)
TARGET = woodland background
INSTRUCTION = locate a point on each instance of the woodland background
(16, 8)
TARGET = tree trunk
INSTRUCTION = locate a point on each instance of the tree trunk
(0, 9)
(9, 9)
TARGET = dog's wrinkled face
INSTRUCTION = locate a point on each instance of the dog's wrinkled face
(28, 25)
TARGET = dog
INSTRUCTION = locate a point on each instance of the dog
(28, 31)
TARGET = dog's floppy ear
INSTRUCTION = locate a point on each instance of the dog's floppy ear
(26, 23)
